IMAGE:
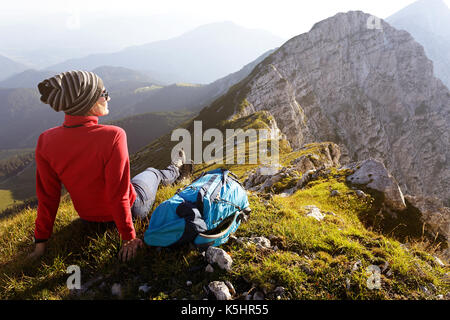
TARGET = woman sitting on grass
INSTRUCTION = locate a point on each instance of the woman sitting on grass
(92, 162)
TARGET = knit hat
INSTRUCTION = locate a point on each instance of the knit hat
(74, 92)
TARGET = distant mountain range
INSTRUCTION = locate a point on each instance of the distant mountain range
(23, 116)
(428, 21)
(8, 67)
(60, 39)
(200, 56)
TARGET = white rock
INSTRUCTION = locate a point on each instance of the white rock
(144, 288)
(189, 283)
(373, 174)
(314, 212)
(439, 261)
(220, 257)
(220, 290)
(360, 193)
(260, 242)
(356, 266)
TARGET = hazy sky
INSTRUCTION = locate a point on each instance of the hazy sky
(286, 18)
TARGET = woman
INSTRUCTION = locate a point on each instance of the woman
(92, 162)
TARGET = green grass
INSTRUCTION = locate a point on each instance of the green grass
(6, 199)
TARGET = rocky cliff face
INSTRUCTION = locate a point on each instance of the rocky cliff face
(363, 85)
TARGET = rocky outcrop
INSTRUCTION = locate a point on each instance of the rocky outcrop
(301, 170)
(373, 174)
(326, 155)
(370, 90)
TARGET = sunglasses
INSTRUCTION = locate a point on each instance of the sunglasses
(105, 94)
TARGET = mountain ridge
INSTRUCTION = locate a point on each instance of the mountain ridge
(208, 54)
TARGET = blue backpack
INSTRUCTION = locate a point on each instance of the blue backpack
(205, 212)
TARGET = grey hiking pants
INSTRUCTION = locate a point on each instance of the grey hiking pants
(146, 185)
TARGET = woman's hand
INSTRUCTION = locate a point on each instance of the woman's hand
(129, 249)
(38, 251)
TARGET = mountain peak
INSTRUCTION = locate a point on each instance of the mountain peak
(344, 24)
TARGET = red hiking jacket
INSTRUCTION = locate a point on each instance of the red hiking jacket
(92, 162)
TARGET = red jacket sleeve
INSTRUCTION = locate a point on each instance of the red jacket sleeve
(48, 191)
(117, 178)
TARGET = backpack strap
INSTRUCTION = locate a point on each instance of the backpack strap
(238, 214)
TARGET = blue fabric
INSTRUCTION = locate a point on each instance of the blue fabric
(197, 208)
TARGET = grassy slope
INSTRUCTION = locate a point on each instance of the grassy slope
(314, 261)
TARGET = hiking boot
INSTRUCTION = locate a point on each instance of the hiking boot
(186, 170)
(180, 159)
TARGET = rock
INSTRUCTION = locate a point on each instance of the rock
(258, 295)
(230, 287)
(360, 194)
(209, 268)
(220, 290)
(424, 290)
(306, 177)
(219, 257)
(347, 283)
(373, 174)
(314, 212)
(439, 261)
(329, 156)
(259, 242)
(116, 290)
(356, 266)
(188, 283)
(144, 288)
(279, 291)
(435, 215)
(335, 193)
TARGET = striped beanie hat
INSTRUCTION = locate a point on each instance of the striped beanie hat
(74, 92)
